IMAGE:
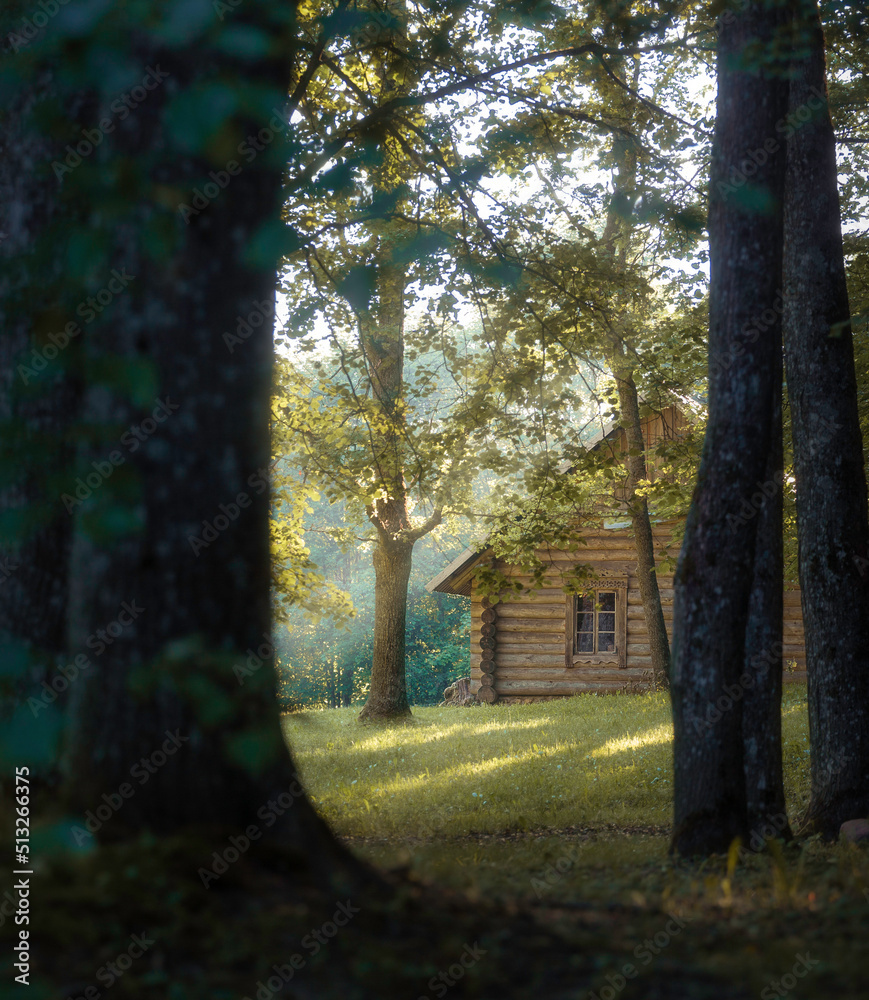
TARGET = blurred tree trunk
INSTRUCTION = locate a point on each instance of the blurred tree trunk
(346, 686)
(40, 392)
(828, 451)
(168, 575)
(713, 580)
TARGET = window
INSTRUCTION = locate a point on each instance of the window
(596, 622)
(597, 630)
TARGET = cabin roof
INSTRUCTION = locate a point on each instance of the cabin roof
(456, 578)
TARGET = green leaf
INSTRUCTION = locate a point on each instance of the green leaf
(273, 240)
(31, 740)
(358, 284)
(195, 116)
(254, 749)
(14, 658)
(244, 41)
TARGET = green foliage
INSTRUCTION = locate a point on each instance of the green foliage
(321, 665)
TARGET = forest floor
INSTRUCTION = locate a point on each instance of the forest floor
(560, 889)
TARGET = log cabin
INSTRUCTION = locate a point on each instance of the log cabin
(542, 643)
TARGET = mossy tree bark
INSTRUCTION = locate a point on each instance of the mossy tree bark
(715, 571)
(168, 577)
(828, 451)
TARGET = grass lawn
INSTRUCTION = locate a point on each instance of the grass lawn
(586, 761)
(565, 806)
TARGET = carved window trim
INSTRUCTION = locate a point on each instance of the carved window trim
(617, 658)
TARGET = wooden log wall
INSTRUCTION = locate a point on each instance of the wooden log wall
(488, 644)
(517, 646)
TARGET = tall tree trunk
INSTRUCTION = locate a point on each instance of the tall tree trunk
(760, 685)
(169, 566)
(617, 237)
(387, 695)
(382, 338)
(381, 334)
(638, 508)
(828, 451)
(715, 570)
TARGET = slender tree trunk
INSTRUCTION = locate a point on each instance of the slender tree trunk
(382, 338)
(659, 643)
(760, 686)
(617, 236)
(714, 574)
(387, 695)
(828, 452)
(346, 686)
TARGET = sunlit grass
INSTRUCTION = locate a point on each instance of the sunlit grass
(584, 761)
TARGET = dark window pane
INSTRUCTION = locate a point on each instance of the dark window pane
(606, 622)
(585, 642)
(606, 642)
(585, 603)
(607, 601)
(585, 622)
